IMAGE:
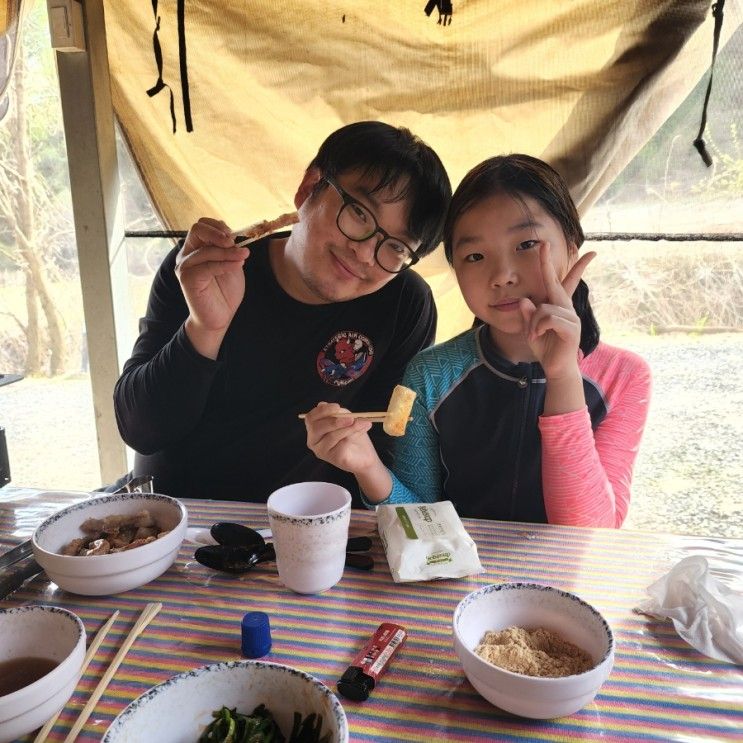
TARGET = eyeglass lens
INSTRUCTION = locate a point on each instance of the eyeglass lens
(357, 223)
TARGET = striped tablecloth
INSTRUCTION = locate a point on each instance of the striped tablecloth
(660, 689)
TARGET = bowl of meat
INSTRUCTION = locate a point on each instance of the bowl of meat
(111, 543)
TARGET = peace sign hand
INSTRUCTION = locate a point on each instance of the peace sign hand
(552, 329)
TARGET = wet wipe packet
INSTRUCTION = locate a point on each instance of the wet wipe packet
(424, 541)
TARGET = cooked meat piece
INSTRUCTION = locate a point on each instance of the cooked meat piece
(123, 538)
(74, 547)
(114, 534)
(114, 524)
(145, 531)
(144, 519)
(92, 526)
(138, 543)
(98, 547)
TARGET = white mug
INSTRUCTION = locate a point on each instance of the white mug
(309, 522)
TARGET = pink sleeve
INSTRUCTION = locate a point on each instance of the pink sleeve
(586, 474)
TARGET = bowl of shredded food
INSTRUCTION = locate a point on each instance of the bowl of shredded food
(238, 701)
(532, 650)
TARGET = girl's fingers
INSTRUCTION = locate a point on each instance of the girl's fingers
(552, 285)
(561, 293)
(574, 275)
(327, 411)
(565, 327)
(527, 309)
(344, 430)
(360, 428)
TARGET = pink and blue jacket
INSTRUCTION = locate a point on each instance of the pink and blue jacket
(479, 439)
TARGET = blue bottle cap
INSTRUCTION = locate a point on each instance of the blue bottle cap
(256, 634)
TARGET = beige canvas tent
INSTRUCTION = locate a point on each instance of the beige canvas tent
(223, 104)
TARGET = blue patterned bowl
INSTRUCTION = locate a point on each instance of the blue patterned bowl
(178, 710)
(113, 573)
(47, 632)
(530, 605)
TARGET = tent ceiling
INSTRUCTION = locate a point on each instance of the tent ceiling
(582, 84)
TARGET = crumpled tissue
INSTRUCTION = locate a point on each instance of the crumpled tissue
(705, 613)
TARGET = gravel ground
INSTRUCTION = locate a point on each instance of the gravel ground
(687, 477)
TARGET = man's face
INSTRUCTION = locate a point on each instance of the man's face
(322, 265)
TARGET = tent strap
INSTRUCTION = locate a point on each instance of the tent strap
(699, 143)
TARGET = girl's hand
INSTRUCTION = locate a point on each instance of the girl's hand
(553, 328)
(343, 441)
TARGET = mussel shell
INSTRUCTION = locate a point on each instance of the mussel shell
(227, 559)
(231, 534)
(359, 544)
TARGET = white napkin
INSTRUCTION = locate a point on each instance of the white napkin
(705, 613)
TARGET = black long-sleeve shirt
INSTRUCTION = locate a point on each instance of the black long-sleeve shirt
(228, 429)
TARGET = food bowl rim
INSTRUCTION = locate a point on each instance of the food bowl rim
(322, 688)
(106, 498)
(545, 680)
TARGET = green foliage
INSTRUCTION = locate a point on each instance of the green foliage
(45, 136)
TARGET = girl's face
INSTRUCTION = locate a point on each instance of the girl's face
(495, 254)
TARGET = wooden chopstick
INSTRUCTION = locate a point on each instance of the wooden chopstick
(248, 240)
(373, 417)
(92, 650)
(147, 615)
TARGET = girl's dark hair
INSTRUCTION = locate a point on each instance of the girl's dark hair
(518, 176)
(392, 156)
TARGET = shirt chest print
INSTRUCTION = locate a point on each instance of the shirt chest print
(345, 358)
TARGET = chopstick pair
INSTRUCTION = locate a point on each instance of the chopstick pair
(92, 650)
(374, 417)
(148, 614)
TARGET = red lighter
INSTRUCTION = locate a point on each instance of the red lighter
(361, 676)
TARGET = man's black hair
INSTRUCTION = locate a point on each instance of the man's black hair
(394, 158)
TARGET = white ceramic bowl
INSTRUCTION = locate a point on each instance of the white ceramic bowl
(39, 632)
(179, 710)
(529, 605)
(101, 575)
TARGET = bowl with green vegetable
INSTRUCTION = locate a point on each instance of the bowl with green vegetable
(238, 701)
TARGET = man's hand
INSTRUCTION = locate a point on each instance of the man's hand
(210, 270)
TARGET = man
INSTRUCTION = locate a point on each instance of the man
(237, 342)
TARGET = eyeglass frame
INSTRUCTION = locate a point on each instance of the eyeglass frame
(348, 200)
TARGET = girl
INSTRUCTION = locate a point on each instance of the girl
(527, 416)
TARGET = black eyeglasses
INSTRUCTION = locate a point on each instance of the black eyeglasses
(357, 223)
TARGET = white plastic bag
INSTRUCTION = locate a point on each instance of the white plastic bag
(704, 612)
(424, 541)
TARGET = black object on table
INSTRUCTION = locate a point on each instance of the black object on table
(4, 461)
(9, 378)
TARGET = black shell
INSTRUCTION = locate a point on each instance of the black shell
(227, 559)
(230, 534)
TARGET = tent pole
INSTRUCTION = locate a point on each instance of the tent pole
(98, 214)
